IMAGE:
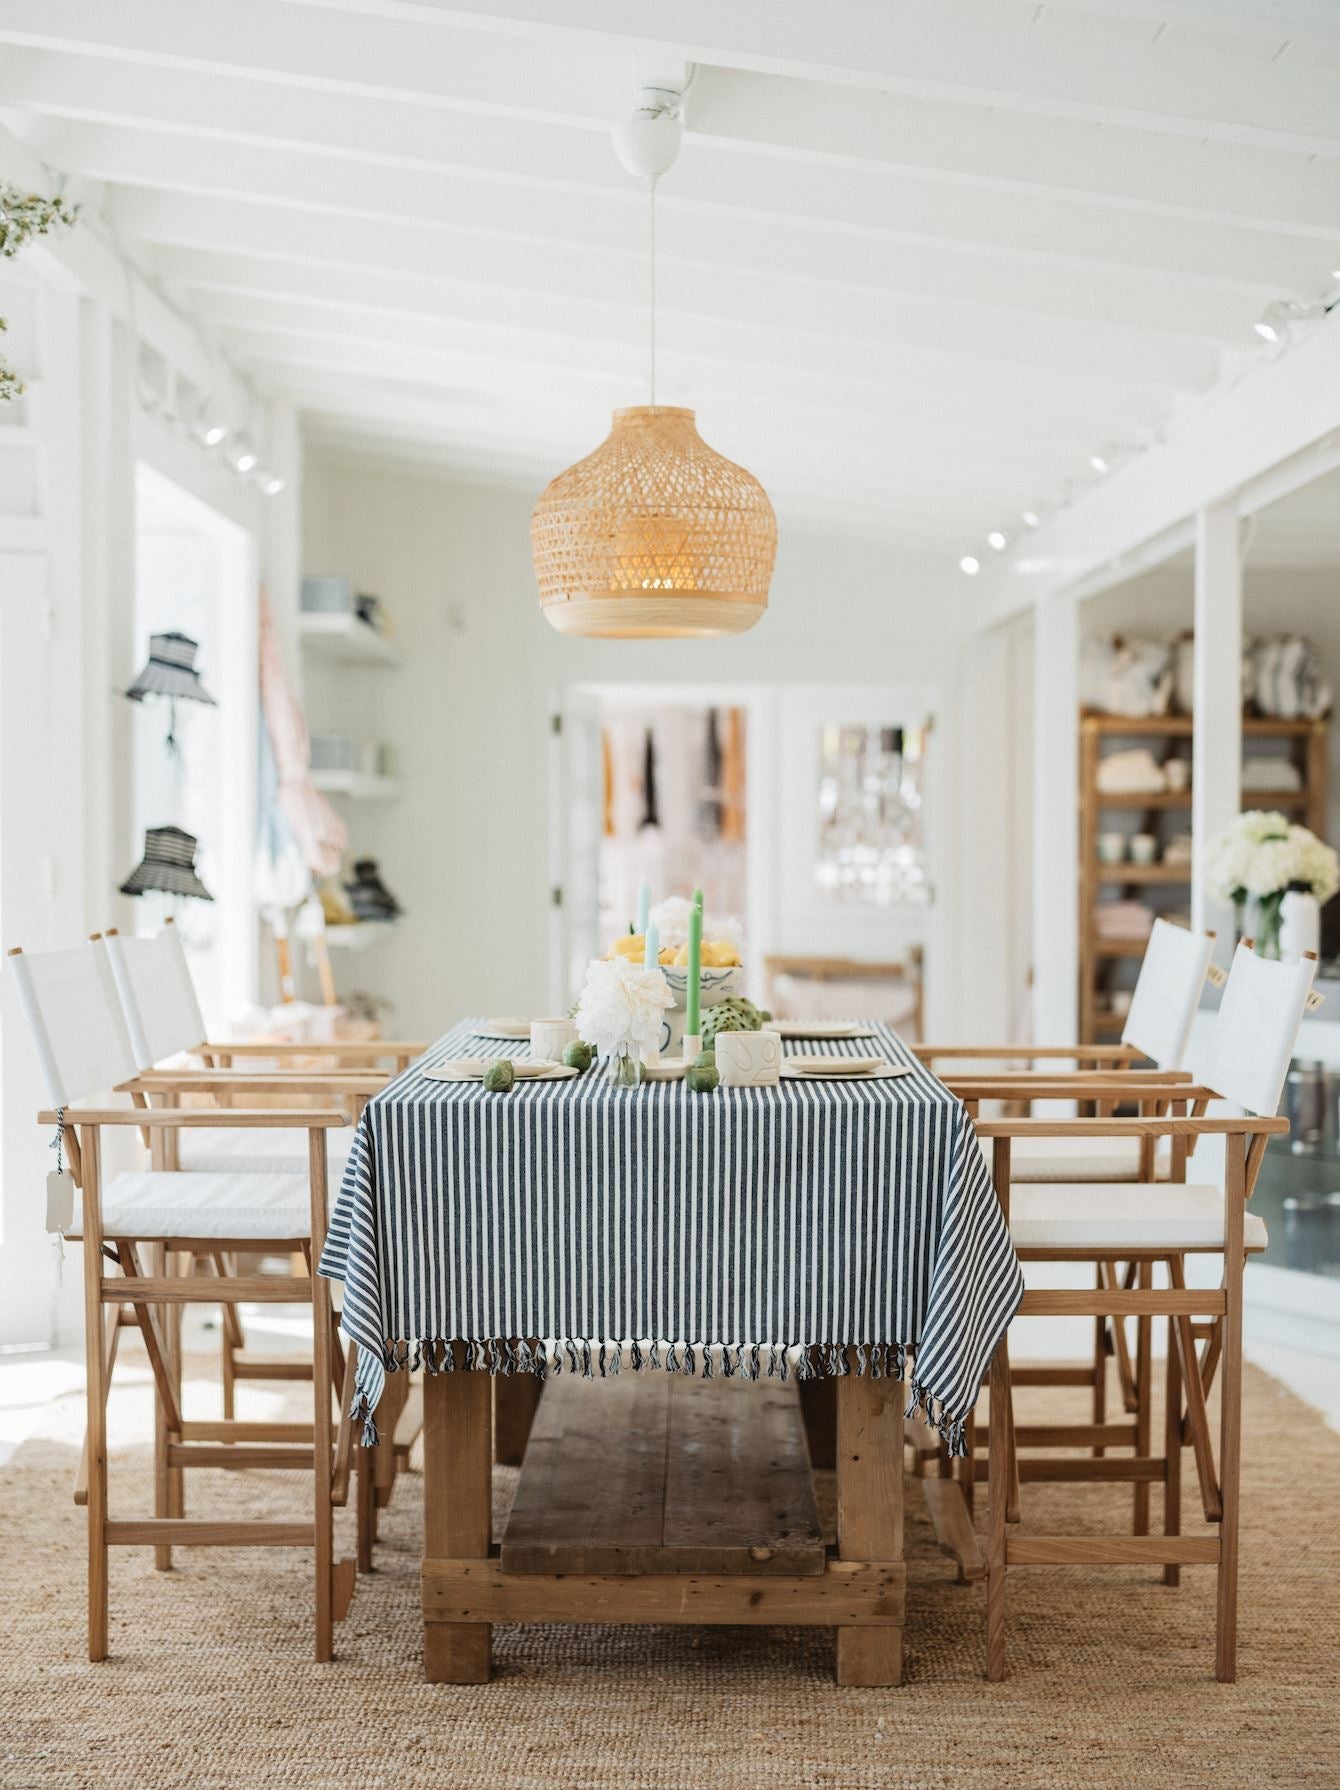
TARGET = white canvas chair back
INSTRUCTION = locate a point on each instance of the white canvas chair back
(1257, 1029)
(70, 1003)
(157, 995)
(1167, 994)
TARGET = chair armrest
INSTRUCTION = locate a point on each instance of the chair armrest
(1031, 1053)
(162, 1118)
(230, 1081)
(1040, 1086)
(1227, 1125)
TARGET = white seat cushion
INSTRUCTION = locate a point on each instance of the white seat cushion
(211, 1150)
(1077, 1159)
(1112, 1216)
(242, 1208)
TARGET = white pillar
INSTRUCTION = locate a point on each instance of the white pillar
(1216, 763)
(1055, 819)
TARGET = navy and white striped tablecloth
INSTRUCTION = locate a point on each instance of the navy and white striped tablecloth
(815, 1227)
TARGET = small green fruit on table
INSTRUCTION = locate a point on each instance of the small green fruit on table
(500, 1077)
(702, 1078)
(579, 1056)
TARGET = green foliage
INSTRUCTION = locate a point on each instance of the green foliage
(23, 216)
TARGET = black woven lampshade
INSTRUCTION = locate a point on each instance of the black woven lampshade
(171, 671)
(168, 866)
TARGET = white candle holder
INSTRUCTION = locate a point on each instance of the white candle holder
(693, 1044)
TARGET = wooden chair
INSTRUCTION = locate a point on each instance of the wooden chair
(1158, 1028)
(1155, 1223)
(71, 1006)
(162, 1013)
(899, 1002)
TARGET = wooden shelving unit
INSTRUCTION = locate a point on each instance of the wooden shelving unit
(1305, 743)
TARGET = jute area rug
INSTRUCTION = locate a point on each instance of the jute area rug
(211, 1684)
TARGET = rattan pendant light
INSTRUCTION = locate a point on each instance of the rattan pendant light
(655, 534)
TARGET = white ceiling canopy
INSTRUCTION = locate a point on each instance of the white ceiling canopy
(921, 261)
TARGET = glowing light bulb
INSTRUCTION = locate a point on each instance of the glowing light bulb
(997, 540)
(970, 565)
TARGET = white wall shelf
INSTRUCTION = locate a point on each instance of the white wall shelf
(344, 638)
(360, 936)
(357, 785)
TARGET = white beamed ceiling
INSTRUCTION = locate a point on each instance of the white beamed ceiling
(918, 258)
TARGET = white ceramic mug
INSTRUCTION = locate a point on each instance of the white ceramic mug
(1177, 771)
(1111, 848)
(1144, 848)
(549, 1038)
(749, 1059)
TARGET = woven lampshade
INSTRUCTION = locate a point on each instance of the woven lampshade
(653, 535)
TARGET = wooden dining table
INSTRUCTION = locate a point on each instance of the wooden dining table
(672, 1310)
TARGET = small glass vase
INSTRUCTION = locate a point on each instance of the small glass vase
(626, 1069)
(1267, 921)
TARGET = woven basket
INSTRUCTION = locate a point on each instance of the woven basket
(653, 535)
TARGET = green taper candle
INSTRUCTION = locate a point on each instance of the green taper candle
(691, 1026)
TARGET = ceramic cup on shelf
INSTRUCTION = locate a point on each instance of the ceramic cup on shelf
(1120, 1002)
(1144, 849)
(549, 1038)
(1111, 848)
(1177, 773)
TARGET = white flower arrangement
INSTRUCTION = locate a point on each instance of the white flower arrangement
(1262, 855)
(620, 1008)
(671, 920)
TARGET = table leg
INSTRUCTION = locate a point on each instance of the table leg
(870, 1513)
(457, 1508)
(516, 1398)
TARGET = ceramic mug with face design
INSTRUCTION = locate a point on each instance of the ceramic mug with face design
(749, 1059)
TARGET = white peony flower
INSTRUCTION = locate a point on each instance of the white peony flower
(671, 920)
(621, 1006)
(1261, 854)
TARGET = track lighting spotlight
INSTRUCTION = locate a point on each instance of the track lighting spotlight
(970, 565)
(243, 456)
(997, 540)
(1274, 322)
(271, 483)
(1030, 518)
(1099, 462)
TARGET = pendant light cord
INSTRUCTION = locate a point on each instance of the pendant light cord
(651, 344)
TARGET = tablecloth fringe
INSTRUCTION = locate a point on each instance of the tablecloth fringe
(599, 1360)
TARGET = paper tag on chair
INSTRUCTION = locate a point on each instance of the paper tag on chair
(60, 1200)
(1315, 999)
(1215, 976)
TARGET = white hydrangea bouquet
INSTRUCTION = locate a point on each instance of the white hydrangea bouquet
(671, 920)
(1262, 857)
(619, 1012)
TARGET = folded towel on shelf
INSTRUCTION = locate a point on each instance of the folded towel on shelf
(1123, 919)
(1178, 849)
(1270, 773)
(1130, 772)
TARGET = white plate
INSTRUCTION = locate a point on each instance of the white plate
(820, 1028)
(511, 1029)
(889, 1072)
(836, 1065)
(476, 1068)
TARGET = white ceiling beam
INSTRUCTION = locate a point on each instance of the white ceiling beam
(424, 72)
(1276, 411)
(772, 295)
(820, 331)
(1202, 277)
(1187, 81)
(962, 433)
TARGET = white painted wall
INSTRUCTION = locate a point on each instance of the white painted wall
(466, 847)
(66, 644)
